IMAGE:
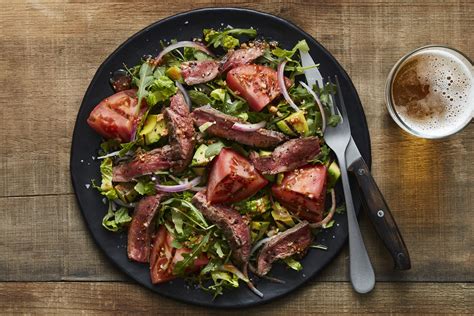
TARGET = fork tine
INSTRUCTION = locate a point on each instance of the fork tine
(341, 101)
(333, 106)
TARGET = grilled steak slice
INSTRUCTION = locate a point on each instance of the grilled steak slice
(199, 71)
(180, 125)
(242, 56)
(230, 222)
(295, 240)
(141, 228)
(223, 128)
(288, 156)
(175, 156)
(162, 158)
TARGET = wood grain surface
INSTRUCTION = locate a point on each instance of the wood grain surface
(50, 51)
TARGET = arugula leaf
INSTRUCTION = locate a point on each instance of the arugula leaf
(214, 149)
(188, 259)
(126, 147)
(195, 216)
(334, 120)
(194, 54)
(144, 80)
(224, 38)
(177, 219)
(323, 156)
(199, 97)
(292, 263)
(283, 53)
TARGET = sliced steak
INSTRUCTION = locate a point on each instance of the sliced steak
(230, 222)
(295, 240)
(177, 155)
(199, 71)
(288, 156)
(141, 228)
(242, 56)
(262, 138)
(144, 163)
(180, 125)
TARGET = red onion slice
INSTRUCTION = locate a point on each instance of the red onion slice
(185, 94)
(281, 83)
(248, 127)
(180, 187)
(198, 46)
(318, 102)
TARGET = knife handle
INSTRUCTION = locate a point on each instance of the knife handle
(380, 215)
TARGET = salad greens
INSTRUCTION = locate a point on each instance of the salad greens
(225, 38)
(155, 85)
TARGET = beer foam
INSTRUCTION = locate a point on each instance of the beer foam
(442, 101)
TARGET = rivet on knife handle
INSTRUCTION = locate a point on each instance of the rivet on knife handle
(380, 215)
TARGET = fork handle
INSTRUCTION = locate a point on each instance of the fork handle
(380, 215)
(361, 270)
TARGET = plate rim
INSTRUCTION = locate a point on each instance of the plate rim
(128, 274)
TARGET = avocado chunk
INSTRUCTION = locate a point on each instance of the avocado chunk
(174, 72)
(265, 153)
(334, 173)
(154, 128)
(281, 215)
(297, 122)
(126, 192)
(199, 158)
(285, 128)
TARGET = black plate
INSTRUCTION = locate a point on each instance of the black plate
(85, 144)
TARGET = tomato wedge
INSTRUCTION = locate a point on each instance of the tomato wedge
(303, 191)
(232, 178)
(116, 116)
(161, 257)
(255, 83)
(164, 257)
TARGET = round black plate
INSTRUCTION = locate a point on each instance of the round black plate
(85, 144)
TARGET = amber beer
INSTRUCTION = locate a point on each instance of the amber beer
(430, 92)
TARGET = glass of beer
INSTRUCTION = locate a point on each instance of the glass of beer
(430, 92)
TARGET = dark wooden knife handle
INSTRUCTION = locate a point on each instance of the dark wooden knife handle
(380, 215)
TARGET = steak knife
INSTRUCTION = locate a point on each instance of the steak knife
(376, 206)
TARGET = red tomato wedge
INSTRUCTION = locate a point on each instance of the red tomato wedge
(116, 116)
(164, 257)
(255, 83)
(161, 257)
(232, 178)
(303, 191)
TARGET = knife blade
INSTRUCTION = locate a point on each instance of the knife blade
(376, 206)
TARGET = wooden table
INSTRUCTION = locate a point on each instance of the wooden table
(49, 263)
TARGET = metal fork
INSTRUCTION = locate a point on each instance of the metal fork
(337, 138)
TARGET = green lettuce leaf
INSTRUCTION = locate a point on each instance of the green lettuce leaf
(116, 220)
(160, 90)
(106, 187)
(145, 187)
